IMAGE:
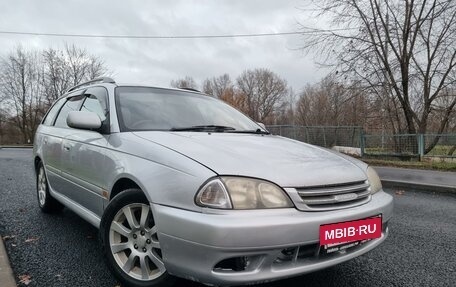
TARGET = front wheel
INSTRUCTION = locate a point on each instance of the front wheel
(129, 241)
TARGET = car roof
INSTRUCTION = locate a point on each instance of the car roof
(158, 87)
(106, 82)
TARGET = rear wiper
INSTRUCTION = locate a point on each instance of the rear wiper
(204, 128)
(257, 131)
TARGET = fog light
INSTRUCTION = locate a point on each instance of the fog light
(233, 264)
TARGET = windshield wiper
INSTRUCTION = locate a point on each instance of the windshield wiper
(214, 128)
(257, 131)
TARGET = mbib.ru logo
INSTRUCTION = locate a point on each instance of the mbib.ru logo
(351, 231)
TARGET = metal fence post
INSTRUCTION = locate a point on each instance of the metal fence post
(421, 146)
(361, 141)
(324, 136)
(307, 135)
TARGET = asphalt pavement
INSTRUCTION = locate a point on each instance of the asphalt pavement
(62, 250)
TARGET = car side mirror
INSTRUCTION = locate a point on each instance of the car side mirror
(262, 125)
(83, 120)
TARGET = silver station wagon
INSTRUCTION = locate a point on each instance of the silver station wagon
(181, 184)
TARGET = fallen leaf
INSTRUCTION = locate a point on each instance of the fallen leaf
(400, 192)
(8, 237)
(25, 279)
(21, 209)
(31, 239)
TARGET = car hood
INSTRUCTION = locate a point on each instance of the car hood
(286, 162)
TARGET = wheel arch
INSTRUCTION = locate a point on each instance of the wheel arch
(36, 163)
(122, 184)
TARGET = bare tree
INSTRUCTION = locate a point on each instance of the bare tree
(285, 115)
(331, 103)
(30, 81)
(401, 51)
(187, 82)
(56, 78)
(218, 86)
(21, 85)
(64, 69)
(3, 116)
(82, 66)
(264, 92)
(312, 106)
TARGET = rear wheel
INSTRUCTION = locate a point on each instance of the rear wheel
(130, 243)
(46, 202)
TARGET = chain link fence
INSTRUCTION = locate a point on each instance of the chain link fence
(445, 145)
(378, 145)
(406, 145)
(325, 136)
(410, 145)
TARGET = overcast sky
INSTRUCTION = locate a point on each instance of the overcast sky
(158, 61)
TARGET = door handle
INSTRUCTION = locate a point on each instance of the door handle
(66, 147)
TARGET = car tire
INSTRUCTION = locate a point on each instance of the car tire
(46, 202)
(129, 241)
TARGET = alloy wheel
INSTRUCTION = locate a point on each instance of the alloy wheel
(134, 242)
(42, 187)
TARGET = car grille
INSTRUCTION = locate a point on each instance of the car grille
(331, 197)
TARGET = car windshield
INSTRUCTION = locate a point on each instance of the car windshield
(145, 109)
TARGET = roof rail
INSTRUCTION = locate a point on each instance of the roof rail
(190, 89)
(93, 81)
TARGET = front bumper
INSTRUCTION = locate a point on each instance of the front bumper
(193, 244)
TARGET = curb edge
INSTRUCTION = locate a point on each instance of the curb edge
(419, 186)
(6, 272)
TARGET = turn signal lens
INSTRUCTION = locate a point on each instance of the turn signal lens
(374, 180)
(214, 195)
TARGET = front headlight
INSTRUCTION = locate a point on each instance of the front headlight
(229, 192)
(374, 180)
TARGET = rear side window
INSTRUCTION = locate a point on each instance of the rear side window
(72, 104)
(50, 116)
